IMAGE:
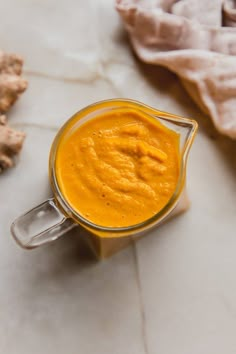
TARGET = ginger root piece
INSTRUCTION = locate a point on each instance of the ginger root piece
(11, 142)
(11, 86)
(11, 83)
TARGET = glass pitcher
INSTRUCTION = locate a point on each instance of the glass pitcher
(53, 218)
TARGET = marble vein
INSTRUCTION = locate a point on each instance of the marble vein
(76, 79)
(35, 125)
(106, 67)
(228, 305)
(141, 300)
(103, 65)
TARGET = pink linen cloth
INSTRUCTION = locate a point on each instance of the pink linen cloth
(196, 39)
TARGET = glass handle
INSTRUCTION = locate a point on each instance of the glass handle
(40, 225)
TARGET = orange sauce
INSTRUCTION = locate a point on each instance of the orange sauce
(119, 168)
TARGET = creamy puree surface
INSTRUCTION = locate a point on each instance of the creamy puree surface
(119, 168)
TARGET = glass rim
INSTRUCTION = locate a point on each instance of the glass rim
(65, 206)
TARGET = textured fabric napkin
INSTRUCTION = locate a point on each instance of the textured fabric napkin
(196, 39)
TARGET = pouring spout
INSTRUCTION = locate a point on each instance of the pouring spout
(186, 128)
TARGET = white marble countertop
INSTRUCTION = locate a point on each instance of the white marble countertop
(174, 292)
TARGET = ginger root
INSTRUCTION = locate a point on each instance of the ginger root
(11, 142)
(11, 83)
(11, 86)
